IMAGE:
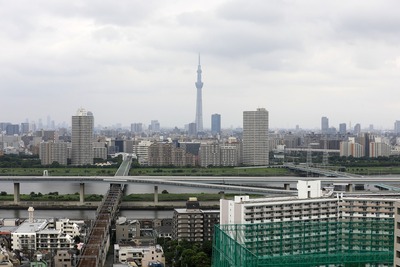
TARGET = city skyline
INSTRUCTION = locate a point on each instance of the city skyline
(300, 61)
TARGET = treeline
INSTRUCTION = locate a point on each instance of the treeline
(184, 253)
(20, 161)
(51, 196)
(33, 161)
(391, 161)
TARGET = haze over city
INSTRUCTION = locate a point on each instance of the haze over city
(136, 61)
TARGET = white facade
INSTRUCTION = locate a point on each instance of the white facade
(143, 255)
(309, 189)
(311, 206)
(142, 151)
(351, 148)
(379, 149)
(69, 227)
(244, 210)
(38, 235)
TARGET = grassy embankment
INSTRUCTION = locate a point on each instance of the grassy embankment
(213, 171)
(132, 197)
(373, 170)
(58, 171)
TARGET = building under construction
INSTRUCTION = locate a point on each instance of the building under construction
(315, 228)
(305, 243)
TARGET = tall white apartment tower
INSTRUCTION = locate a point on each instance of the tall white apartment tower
(255, 137)
(199, 101)
(82, 138)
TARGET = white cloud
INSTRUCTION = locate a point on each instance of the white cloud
(133, 61)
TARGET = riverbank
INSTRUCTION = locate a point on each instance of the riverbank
(73, 205)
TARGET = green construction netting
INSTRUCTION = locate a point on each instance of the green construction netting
(304, 243)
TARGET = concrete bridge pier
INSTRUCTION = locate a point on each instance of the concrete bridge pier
(286, 186)
(82, 193)
(17, 195)
(349, 188)
(155, 194)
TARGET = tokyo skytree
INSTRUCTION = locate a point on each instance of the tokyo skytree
(199, 102)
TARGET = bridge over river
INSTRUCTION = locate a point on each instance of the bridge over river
(95, 250)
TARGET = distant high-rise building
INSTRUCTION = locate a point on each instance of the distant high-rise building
(136, 127)
(371, 127)
(397, 127)
(24, 127)
(12, 129)
(215, 123)
(199, 101)
(154, 126)
(40, 124)
(82, 138)
(342, 128)
(255, 137)
(192, 129)
(357, 128)
(351, 148)
(3, 126)
(324, 124)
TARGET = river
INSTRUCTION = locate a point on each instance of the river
(91, 188)
(96, 188)
(85, 214)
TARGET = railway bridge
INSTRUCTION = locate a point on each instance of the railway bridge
(95, 250)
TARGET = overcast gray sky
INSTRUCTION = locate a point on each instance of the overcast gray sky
(135, 61)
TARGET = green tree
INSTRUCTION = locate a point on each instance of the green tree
(187, 256)
(200, 259)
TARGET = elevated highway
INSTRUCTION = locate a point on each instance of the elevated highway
(319, 171)
(188, 181)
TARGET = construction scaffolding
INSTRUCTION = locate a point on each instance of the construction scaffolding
(304, 243)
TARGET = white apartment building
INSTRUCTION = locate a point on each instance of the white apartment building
(141, 150)
(317, 210)
(379, 149)
(37, 234)
(141, 256)
(351, 148)
(396, 261)
(310, 204)
(69, 227)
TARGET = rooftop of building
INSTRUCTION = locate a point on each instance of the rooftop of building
(31, 227)
(132, 247)
(195, 211)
